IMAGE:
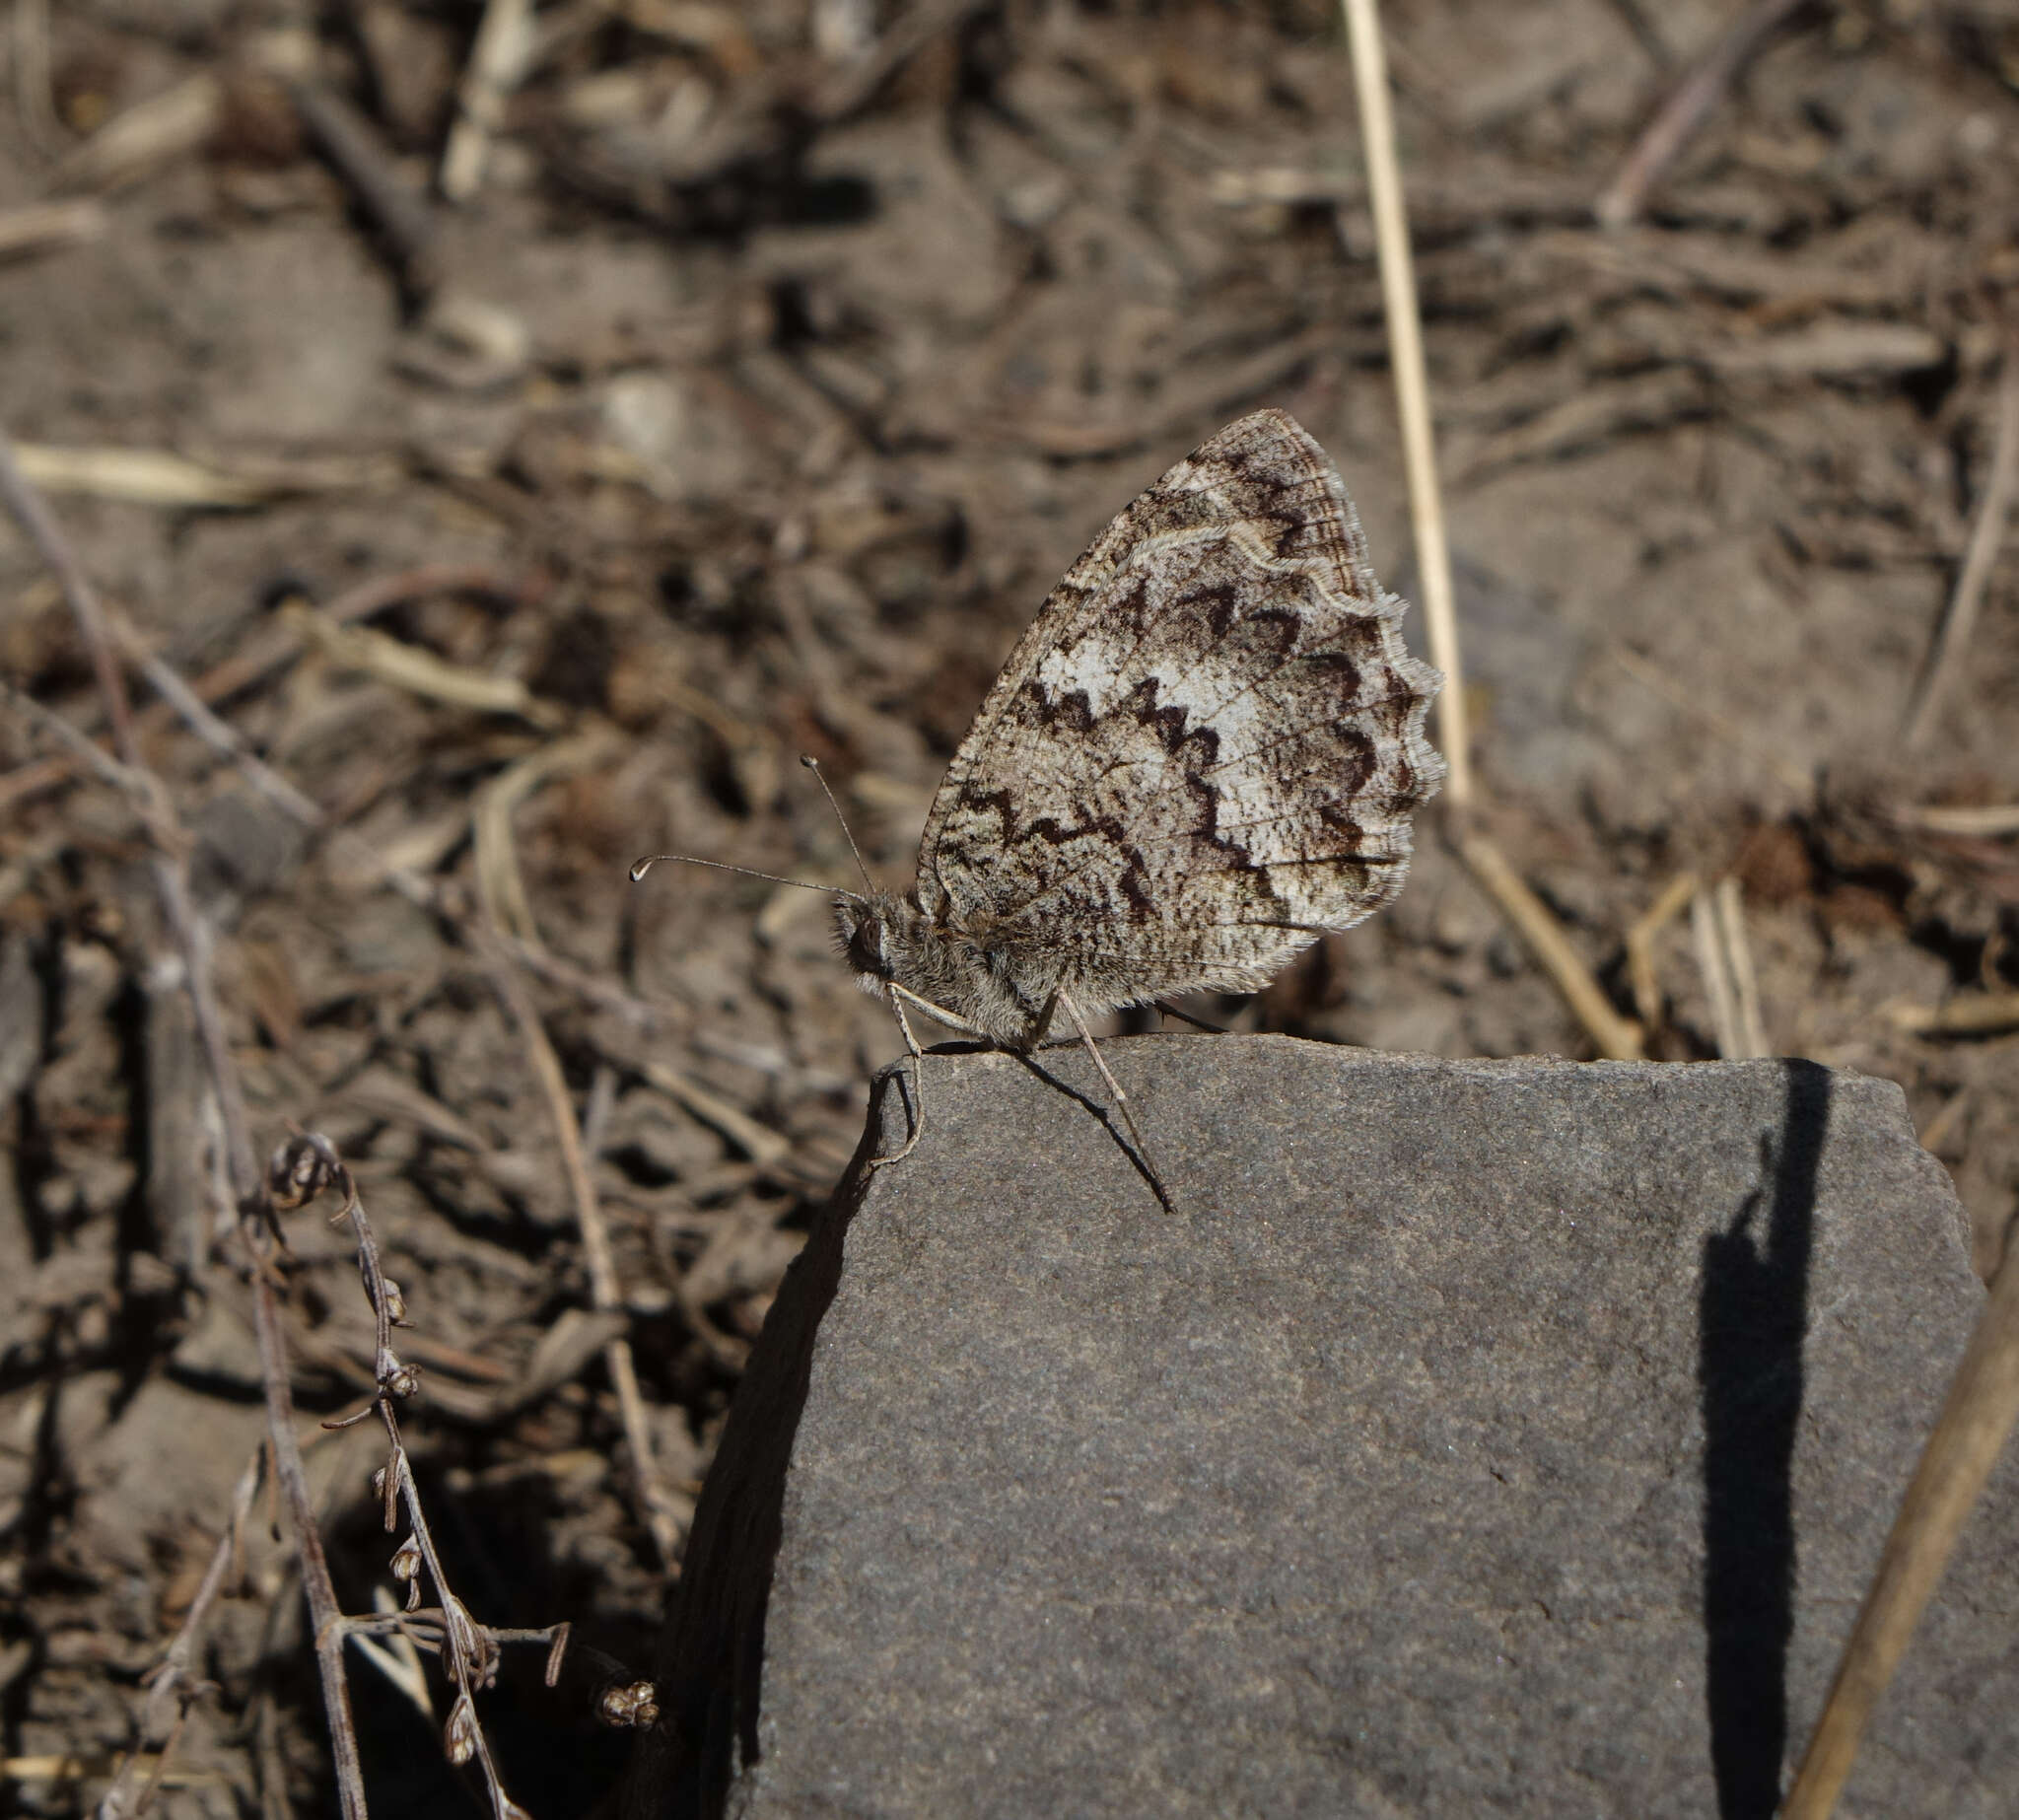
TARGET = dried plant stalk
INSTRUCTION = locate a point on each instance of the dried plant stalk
(1971, 1432)
(1412, 393)
(1647, 1000)
(1617, 1038)
(1987, 536)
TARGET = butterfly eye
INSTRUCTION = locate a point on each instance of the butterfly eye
(867, 951)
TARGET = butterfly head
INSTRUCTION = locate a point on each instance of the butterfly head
(871, 932)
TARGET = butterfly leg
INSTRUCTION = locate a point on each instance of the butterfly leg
(1121, 1101)
(1197, 1024)
(915, 1103)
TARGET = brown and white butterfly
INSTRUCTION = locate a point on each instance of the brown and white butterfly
(1204, 753)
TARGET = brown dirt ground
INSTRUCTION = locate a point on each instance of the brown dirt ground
(803, 344)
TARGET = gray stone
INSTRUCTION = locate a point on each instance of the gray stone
(1509, 1438)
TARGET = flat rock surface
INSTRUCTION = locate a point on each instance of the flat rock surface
(1506, 1438)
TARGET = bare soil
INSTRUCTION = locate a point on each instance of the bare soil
(780, 359)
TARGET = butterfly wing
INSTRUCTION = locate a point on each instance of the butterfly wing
(1205, 750)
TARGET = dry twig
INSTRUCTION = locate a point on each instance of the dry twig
(351, 145)
(1969, 1436)
(1412, 392)
(1986, 822)
(249, 1190)
(1684, 111)
(757, 1141)
(42, 226)
(497, 62)
(138, 142)
(1979, 1014)
(501, 887)
(159, 477)
(1986, 535)
(1615, 1036)
(1725, 957)
(661, 1518)
(1619, 1039)
(419, 673)
(173, 1687)
(300, 1170)
(1647, 999)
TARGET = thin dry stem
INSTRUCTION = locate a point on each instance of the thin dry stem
(1615, 1036)
(1969, 1436)
(299, 1171)
(324, 1614)
(419, 671)
(1985, 822)
(35, 103)
(1976, 1014)
(1986, 535)
(351, 144)
(1687, 109)
(191, 939)
(1711, 962)
(1412, 393)
(497, 62)
(142, 788)
(1619, 1039)
(500, 884)
(1730, 913)
(660, 1514)
(42, 226)
(219, 735)
(1641, 940)
(757, 1141)
(172, 1688)
(25, 503)
(148, 135)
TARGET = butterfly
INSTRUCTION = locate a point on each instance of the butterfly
(1202, 754)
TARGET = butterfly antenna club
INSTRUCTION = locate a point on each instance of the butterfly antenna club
(812, 765)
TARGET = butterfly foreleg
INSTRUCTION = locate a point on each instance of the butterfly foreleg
(938, 1014)
(915, 1107)
(915, 1103)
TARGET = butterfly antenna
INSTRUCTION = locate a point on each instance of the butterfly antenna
(651, 860)
(812, 765)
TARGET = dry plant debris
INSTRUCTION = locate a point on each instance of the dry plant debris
(738, 395)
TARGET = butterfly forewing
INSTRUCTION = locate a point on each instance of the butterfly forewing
(1206, 747)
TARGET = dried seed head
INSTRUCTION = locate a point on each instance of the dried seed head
(460, 1737)
(300, 1169)
(406, 1560)
(402, 1381)
(632, 1706)
(395, 1304)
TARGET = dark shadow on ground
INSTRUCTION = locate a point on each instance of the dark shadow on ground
(711, 1664)
(1751, 1318)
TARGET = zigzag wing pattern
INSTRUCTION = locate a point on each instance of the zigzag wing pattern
(1205, 750)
